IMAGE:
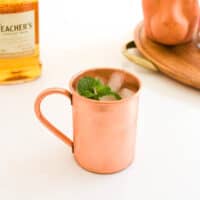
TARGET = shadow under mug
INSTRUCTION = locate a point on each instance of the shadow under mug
(104, 132)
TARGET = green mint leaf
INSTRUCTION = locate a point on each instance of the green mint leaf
(116, 95)
(103, 90)
(86, 87)
(93, 88)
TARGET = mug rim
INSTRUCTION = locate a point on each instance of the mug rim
(74, 92)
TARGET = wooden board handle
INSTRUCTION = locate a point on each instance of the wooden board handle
(137, 59)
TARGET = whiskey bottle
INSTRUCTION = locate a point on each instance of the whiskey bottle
(19, 41)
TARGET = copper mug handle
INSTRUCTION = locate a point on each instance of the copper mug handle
(44, 120)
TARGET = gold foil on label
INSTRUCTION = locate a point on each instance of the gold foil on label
(17, 34)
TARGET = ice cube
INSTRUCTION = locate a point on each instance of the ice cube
(125, 92)
(116, 81)
(107, 98)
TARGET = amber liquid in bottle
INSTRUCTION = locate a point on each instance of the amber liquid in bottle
(19, 41)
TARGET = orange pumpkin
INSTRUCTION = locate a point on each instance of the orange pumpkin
(170, 22)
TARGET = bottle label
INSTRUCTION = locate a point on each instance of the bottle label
(17, 34)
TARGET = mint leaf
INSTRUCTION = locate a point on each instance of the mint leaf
(116, 95)
(86, 87)
(93, 88)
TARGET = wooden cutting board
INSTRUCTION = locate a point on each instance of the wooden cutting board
(181, 62)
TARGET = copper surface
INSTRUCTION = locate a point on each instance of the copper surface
(104, 131)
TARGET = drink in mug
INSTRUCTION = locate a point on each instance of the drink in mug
(104, 128)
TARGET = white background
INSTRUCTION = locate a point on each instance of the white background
(35, 165)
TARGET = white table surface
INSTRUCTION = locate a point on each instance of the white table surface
(35, 165)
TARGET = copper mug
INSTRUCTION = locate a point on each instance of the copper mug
(104, 132)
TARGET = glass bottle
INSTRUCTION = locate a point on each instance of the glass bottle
(19, 41)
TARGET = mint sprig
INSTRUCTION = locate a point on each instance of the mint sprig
(92, 88)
